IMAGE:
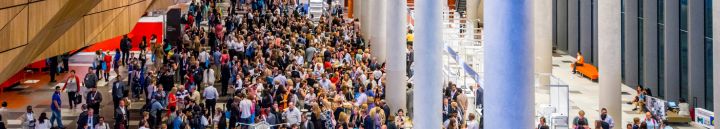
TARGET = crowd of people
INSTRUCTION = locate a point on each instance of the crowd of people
(265, 59)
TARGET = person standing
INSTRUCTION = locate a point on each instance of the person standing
(650, 122)
(117, 91)
(101, 124)
(94, 98)
(108, 65)
(53, 67)
(607, 121)
(88, 121)
(224, 78)
(28, 120)
(72, 86)
(90, 79)
(542, 124)
(43, 122)
(55, 108)
(121, 116)
(125, 45)
(211, 95)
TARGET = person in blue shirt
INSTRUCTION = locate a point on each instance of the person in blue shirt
(55, 107)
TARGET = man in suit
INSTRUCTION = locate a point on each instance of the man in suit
(90, 120)
(94, 98)
(125, 46)
(117, 91)
(306, 124)
(121, 116)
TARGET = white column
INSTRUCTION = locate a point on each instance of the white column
(609, 57)
(508, 53)
(365, 19)
(428, 76)
(357, 8)
(378, 37)
(396, 45)
(716, 59)
(543, 30)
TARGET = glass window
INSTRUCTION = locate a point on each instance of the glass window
(683, 50)
(661, 49)
(641, 56)
(622, 40)
(708, 56)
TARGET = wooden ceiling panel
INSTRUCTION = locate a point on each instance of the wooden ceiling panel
(15, 33)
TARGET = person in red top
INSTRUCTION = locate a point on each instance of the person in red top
(108, 61)
(172, 100)
(73, 86)
(224, 57)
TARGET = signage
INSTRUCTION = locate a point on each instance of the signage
(704, 118)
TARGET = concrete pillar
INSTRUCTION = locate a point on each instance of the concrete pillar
(396, 63)
(378, 37)
(716, 60)
(474, 10)
(543, 23)
(357, 8)
(609, 55)
(508, 52)
(428, 78)
(631, 43)
(365, 19)
(573, 27)
(586, 27)
(671, 50)
(650, 46)
(696, 51)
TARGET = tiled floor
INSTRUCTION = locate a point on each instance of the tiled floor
(584, 94)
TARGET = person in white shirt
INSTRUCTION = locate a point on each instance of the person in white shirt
(43, 122)
(102, 125)
(472, 124)
(209, 77)
(362, 98)
(210, 94)
(245, 110)
(607, 120)
(203, 56)
(292, 114)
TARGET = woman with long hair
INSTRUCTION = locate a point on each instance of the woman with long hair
(43, 122)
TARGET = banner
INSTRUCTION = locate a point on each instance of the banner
(704, 118)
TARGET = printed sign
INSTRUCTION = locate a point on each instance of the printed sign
(704, 118)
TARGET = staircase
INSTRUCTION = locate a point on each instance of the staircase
(316, 9)
(461, 5)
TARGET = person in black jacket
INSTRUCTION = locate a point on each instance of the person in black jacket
(88, 120)
(122, 116)
(225, 78)
(2, 123)
(125, 46)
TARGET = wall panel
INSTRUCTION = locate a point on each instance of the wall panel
(8, 3)
(8, 14)
(15, 34)
(41, 12)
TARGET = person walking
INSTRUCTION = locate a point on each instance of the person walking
(72, 86)
(90, 79)
(94, 98)
(55, 108)
(211, 95)
(118, 89)
(121, 116)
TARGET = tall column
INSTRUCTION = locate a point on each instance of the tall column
(365, 19)
(508, 52)
(428, 77)
(357, 8)
(650, 46)
(396, 48)
(573, 27)
(378, 37)
(696, 52)
(631, 43)
(543, 23)
(716, 60)
(609, 54)
(671, 50)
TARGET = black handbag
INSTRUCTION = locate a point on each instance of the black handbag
(78, 98)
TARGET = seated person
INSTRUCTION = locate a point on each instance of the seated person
(580, 122)
(639, 101)
(580, 61)
(684, 108)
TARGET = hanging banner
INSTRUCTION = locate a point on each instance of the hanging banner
(704, 118)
